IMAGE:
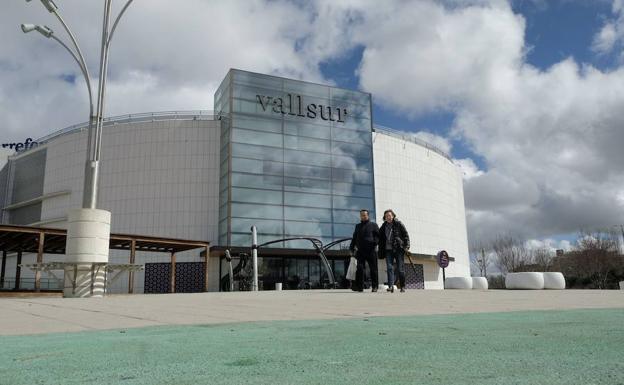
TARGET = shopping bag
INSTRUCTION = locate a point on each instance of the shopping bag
(352, 269)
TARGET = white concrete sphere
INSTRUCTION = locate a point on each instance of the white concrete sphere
(463, 283)
(479, 283)
(526, 281)
(554, 280)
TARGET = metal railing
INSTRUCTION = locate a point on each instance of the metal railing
(29, 284)
(129, 118)
(411, 138)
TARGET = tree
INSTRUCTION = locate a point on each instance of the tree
(542, 259)
(511, 254)
(596, 257)
(479, 260)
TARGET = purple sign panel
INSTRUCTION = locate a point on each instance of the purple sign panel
(443, 259)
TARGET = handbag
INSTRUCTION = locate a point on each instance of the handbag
(351, 270)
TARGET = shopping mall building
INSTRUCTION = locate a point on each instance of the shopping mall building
(294, 159)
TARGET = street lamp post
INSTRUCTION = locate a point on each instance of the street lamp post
(88, 229)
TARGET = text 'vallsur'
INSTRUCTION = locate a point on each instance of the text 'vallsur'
(295, 107)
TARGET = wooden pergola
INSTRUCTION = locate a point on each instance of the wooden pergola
(41, 240)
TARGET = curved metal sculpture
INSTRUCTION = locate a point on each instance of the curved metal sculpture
(334, 243)
(239, 273)
(318, 245)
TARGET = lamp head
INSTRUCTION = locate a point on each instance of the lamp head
(49, 4)
(28, 27)
(45, 31)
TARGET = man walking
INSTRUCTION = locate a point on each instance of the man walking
(393, 243)
(365, 239)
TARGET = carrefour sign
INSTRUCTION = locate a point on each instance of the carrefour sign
(294, 105)
(18, 147)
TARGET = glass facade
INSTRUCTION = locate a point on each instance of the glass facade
(296, 159)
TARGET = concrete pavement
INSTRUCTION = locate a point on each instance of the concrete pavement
(20, 316)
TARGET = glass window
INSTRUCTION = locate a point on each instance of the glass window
(351, 136)
(223, 210)
(350, 97)
(257, 167)
(307, 171)
(350, 162)
(309, 200)
(224, 168)
(241, 239)
(308, 158)
(343, 230)
(306, 89)
(350, 149)
(311, 229)
(223, 227)
(264, 226)
(249, 195)
(307, 185)
(257, 152)
(298, 128)
(352, 176)
(359, 190)
(257, 123)
(258, 181)
(248, 210)
(349, 216)
(256, 137)
(344, 202)
(306, 144)
(307, 214)
(249, 78)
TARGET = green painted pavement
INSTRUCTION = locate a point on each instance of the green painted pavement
(546, 347)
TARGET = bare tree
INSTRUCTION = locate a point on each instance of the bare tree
(542, 259)
(596, 255)
(480, 260)
(511, 254)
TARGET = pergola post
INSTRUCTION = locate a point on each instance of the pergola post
(18, 270)
(131, 273)
(39, 260)
(3, 268)
(173, 273)
(207, 250)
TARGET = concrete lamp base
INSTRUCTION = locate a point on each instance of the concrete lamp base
(88, 237)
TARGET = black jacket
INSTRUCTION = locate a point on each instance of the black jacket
(365, 236)
(400, 239)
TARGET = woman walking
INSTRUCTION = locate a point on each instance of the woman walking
(393, 243)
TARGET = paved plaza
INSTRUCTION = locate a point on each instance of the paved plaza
(316, 337)
(49, 315)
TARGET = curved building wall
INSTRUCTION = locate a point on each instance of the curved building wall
(157, 177)
(425, 190)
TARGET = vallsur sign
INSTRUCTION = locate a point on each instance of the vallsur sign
(295, 106)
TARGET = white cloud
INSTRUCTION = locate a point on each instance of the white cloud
(549, 244)
(468, 168)
(438, 141)
(162, 57)
(611, 35)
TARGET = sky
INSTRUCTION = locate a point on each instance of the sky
(527, 96)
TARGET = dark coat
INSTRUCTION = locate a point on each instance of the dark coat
(365, 237)
(400, 238)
